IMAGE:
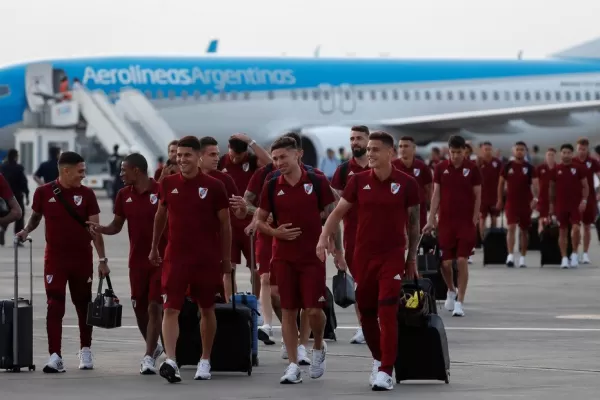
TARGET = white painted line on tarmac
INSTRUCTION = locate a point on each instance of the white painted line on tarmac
(461, 328)
(580, 316)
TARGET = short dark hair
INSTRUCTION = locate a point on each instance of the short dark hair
(486, 143)
(567, 146)
(296, 136)
(521, 143)
(408, 138)
(383, 137)
(136, 160)
(456, 142)
(12, 155)
(207, 141)
(536, 148)
(583, 141)
(360, 128)
(189, 141)
(173, 143)
(284, 142)
(54, 152)
(469, 147)
(70, 158)
(238, 146)
(435, 150)
(552, 149)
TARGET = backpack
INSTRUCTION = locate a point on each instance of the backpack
(344, 168)
(530, 167)
(271, 191)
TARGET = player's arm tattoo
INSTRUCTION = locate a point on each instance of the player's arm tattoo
(250, 201)
(413, 231)
(337, 233)
(33, 222)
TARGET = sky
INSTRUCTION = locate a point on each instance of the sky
(38, 29)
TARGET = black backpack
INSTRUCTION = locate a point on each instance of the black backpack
(271, 190)
(344, 168)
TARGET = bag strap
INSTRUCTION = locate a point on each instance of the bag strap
(316, 187)
(344, 173)
(108, 282)
(271, 193)
(58, 193)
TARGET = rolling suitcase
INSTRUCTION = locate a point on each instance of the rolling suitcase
(232, 348)
(549, 249)
(495, 250)
(16, 323)
(422, 351)
(534, 236)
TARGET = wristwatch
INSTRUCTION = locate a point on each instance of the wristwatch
(252, 143)
(103, 260)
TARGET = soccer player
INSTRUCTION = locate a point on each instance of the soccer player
(209, 160)
(591, 167)
(68, 257)
(544, 173)
(296, 205)
(521, 182)
(457, 198)
(137, 203)
(359, 137)
(198, 211)
(170, 167)
(568, 200)
(387, 200)
(416, 168)
(240, 164)
(490, 168)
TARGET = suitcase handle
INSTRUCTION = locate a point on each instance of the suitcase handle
(16, 242)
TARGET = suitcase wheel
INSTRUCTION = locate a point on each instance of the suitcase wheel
(32, 368)
(255, 360)
(16, 369)
(447, 381)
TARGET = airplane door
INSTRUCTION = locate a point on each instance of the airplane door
(326, 99)
(38, 78)
(347, 99)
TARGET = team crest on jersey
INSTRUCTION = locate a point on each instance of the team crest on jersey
(466, 171)
(308, 188)
(153, 198)
(494, 164)
(525, 169)
(395, 187)
(202, 192)
(589, 164)
(133, 303)
(416, 172)
(246, 167)
(573, 171)
(77, 200)
(49, 278)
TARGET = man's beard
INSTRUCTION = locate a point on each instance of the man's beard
(359, 151)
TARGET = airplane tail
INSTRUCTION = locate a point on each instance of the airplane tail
(213, 46)
(589, 49)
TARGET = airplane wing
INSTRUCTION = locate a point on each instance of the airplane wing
(473, 119)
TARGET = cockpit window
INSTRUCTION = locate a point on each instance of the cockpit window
(4, 90)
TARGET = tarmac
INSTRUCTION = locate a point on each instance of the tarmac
(529, 333)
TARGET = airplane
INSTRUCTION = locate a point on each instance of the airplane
(544, 102)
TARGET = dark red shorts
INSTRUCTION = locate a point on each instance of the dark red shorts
(145, 283)
(543, 209)
(518, 214)
(589, 215)
(301, 284)
(264, 253)
(457, 241)
(240, 244)
(203, 281)
(566, 216)
(489, 209)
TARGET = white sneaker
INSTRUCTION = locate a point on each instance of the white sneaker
(260, 320)
(291, 375)
(470, 260)
(585, 259)
(319, 362)
(170, 371)
(302, 356)
(203, 371)
(265, 332)
(510, 261)
(359, 337)
(564, 264)
(383, 382)
(574, 261)
(85, 359)
(158, 352)
(450, 299)
(522, 262)
(54, 365)
(148, 366)
(374, 371)
(284, 353)
(458, 310)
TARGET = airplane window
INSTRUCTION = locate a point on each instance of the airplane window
(294, 95)
(597, 95)
(450, 95)
(4, 90)
(373, 95)
(417, 95)
(506, 95)
(568, 96)
(184, 94)
(517, 96)
(196, 94)
(406, 95)
(171, 94)
(427, 95)
(223, 96)
(558, 95)
(461, 95)
(527, 96)
(588, 96)
(148, 94)
(483, 95)
(395, 94)
(496, 96)
(578, 96)
(438, 95)
(359, 94)
(246, 95)
(548, 96)
(234, 95)
(473, 95)
(315, 95)
(538, 96)
(326, 95)
(159, 94)
(384, 95)
(209, 95)
(271, 95)
(347, 94)
(112, 94)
